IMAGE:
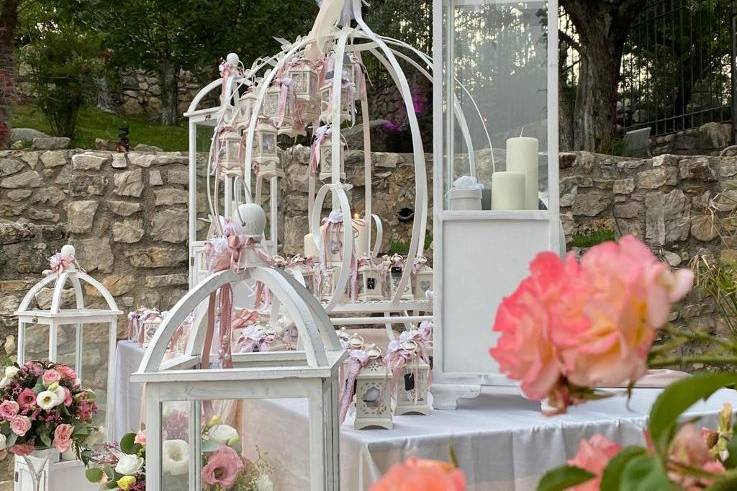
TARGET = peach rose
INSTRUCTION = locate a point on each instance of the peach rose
(629, 298)
(525, 319)
(8, 409)
(63, 437)
(67, 372)
(140, 438)
(427, 475)
(50, 376)
(594, 455)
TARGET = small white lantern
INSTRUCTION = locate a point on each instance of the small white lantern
(373, 396)
(326, 159)
(421, 279)
(347, 104)
(396, 270)
(247, 103)
(270, 104)
(265, 151)
(228, 159)
(413, 386)
(304, 80)
(71, 335)
(369, 281)
(328, 277)
(149, 328)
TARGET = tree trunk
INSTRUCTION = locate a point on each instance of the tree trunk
(169, 92)
(602, 27)
(8, 22)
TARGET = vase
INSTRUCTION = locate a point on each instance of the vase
(37, 469)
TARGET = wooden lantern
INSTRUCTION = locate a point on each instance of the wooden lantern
(373, 396)
(413, 387)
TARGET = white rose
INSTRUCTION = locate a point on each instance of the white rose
(175, 457)
(128, 464)
(11, 371)
(263, 483)
(3, 442)
(48, 400)
(222, 433)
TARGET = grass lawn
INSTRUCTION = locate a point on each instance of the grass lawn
(94, 123)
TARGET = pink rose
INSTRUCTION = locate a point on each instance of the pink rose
(34, 368)
(22, 449)
(67, 397)
(629, 298)
(26, 399)
(50, 376)
(593, 455)
(222, 467)
(690, 449)
(140, 438)
(20, 425)
(8, 409)
(66, 372)
(63, 437)
(525, 320)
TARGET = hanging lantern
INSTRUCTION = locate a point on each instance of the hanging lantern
(421, 278)
(413, 386)
(369, 281)
(396, 271)
(347, 105)
(230, 144)
(265, 154)
(326, 159)
(304, 80)
(373, 397)
(247, 103)
(270, 104)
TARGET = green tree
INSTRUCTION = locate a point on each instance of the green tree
(8, 24)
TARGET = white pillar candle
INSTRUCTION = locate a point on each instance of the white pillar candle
(310, 247)
(507, 191)
(360, 236)
(522, 156)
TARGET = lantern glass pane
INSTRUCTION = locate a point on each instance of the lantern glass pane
(175, 446)
(497, 50)
(202, 144)
(94, 363)
(300, 82)
(269, 144)
(271, 104)
(36, 345)
(66, 345)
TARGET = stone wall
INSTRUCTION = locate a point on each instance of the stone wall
(708, 139)
(140, 93)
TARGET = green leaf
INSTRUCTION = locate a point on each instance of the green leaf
(644, 473)
(676, 399)
(128, 444)
(45, 437)
(563, 478)
(731, 461)
(613, 473)
(94, 475)
(726, 483)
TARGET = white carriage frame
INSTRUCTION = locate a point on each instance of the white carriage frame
(56, 316)
(311, 372)
(387, 50)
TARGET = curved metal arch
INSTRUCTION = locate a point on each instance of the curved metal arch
(311, 328)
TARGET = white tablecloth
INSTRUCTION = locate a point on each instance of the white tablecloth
(127, 398)
(502, 442)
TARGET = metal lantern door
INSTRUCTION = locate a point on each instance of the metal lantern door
(496, 174)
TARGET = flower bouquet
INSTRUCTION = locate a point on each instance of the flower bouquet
(120, 465)
(572, 326)
(43, 407)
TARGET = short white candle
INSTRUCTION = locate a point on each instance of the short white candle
(310, 247)
(522, 156)
(507, 191)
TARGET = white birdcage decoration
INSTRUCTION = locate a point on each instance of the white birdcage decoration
(194, 388)
(373, 394)
(422, 279)
(229, 158)
(412, 387)
(326, 159)
(369, 281)
(81, 336)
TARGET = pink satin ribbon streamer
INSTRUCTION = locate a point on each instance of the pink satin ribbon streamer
(356, 360)
(319, 136)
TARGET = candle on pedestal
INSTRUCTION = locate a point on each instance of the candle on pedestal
(522, 156)
(310, 247)
(507, 191)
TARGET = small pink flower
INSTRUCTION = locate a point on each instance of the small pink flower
(140, 438)
(8, 409)
(20, 425)
(593, 455)
(690, 449)
(67, 397)
(63, 437)
(51, 376)
(26, 399)
(22, 449)
(66, 372)
(222, 468)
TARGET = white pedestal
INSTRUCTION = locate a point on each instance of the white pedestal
(55, 475)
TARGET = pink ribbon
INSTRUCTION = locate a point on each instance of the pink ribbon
(58, 263)
(356, 360)
(396, 360)
(285, 101)
(319, 136)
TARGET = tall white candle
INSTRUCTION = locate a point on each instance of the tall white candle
(522, 156)
(507, 191)
(360, 235)
(310, 247)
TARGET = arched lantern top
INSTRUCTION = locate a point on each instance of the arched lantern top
(66, 272)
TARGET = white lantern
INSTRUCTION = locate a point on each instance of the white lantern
(369, 281)
(396, 270)
(228, 159)
(421, 279)
(328, 278)
(326, 159)
(265, 151)
(347, 104)
(247, 103)
(413, 386)
(150, 326)
(304, 80)
(373, 396)
(270, 104)
(183, 389)
(80, 336)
